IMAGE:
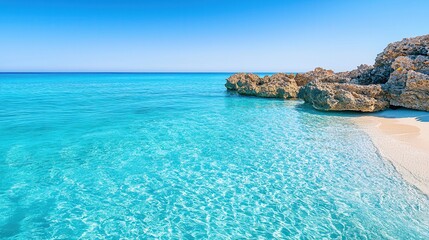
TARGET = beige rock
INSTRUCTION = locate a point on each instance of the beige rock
(399, 77)
(406, 47)
(279, 85)
(344, 97)
(409, 89)
(317, 74)
(239, 79)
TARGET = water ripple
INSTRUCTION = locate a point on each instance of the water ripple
(176, 156)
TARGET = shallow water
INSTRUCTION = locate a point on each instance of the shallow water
(177, 156)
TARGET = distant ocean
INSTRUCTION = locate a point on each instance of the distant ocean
(177, 156)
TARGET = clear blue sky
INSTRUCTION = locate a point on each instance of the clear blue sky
(202, 35)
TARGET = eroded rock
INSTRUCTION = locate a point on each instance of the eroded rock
(317, 74)
(237, 80)
(344, 97)
(399, 77)
(279, 85)
(408, 84)
(406, 47)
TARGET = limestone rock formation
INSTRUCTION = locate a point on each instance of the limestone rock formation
(362, 75)
(407, 47)
(279, 85)
(317, 74)
(344, 97)
(237, 80)
(408, 84)
(399, 77)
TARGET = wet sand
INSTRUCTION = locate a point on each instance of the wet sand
(402, 137)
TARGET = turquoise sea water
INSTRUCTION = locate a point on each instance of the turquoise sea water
(176, 156)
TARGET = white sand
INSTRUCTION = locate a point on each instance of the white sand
(402, 137)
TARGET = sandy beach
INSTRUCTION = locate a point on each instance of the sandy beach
(402, 137)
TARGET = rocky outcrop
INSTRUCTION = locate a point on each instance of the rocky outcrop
(399, 77)
(279, 85)
(408, 84)
(239, 79)
(363, 75)
(317, 74)
(407, 47)
(344, 97)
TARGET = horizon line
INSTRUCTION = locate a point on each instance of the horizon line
(137, 72)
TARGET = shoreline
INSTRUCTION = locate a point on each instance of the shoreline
(402, 138)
